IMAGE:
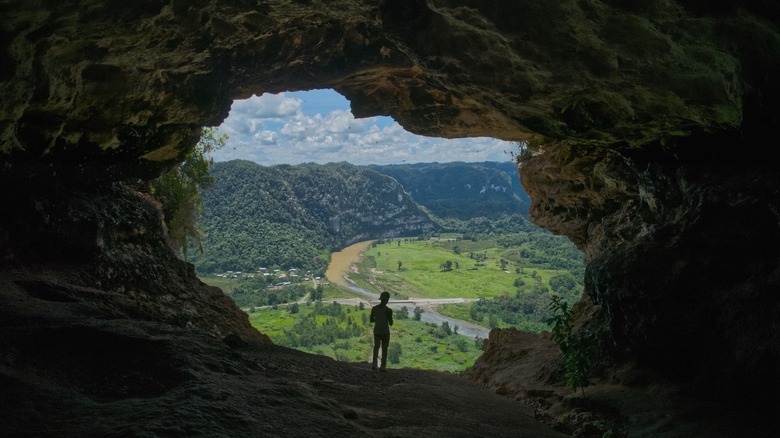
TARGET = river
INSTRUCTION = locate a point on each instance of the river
(342, 263)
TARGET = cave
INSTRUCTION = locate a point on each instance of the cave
(648, 126)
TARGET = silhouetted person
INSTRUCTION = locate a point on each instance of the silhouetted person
(382, 317)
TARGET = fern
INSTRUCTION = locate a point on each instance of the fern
(578, 354)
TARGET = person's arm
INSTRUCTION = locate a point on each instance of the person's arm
(390, 316)
(372, 318)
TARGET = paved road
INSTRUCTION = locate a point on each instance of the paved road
(428, 306)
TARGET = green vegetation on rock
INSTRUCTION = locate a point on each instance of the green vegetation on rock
(179, 192)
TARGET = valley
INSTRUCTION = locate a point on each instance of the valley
(305, 250)
(441, 315)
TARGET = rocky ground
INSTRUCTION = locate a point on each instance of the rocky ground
(623, 401)
(68, 372)
(75, 366)
(82, 358)
(95, 378)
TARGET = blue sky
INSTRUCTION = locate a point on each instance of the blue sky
(318, 127)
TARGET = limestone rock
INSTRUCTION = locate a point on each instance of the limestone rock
(648, 120)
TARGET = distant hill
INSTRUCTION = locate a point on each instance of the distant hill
(462, 190)
(294, 216)
(288, 216)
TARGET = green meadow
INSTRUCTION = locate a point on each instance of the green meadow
(478, 269)
(515, 277)
(226, 284)
(419, 344)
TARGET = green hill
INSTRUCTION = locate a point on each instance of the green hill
(294, 216)
(288, 216)
(462, 190)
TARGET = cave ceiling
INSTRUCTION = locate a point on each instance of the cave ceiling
(131, 82)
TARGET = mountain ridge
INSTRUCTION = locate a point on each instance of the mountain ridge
(295, 215)
(488, 188)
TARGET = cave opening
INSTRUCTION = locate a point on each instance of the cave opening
(665, 181)
(318, 126)
(307, 138)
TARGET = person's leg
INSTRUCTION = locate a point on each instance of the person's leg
(377, 343)
(385, 343)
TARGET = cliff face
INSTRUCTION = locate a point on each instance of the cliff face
(653, 119)
(681, 256)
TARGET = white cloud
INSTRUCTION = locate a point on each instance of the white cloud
(274, 129)
(268, 106)
(267, 137)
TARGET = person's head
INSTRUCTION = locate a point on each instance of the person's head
(384, 297)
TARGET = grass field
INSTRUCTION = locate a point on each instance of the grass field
(477, 271)
(330, 291)
(226, 284)
(422, 346)
(421, 274)
(461, 311)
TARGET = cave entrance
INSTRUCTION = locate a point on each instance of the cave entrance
(295, 181)
(317, 126)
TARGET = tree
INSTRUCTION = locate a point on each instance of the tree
(461, 343)
(394, 352)
(178, 192)
(293, 308)
(316, 294)
(418, 313)
(400, 263)
(445, 326)
(403, 313)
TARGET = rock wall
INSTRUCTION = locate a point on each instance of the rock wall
(104, 254)
(652, 119)
(682, 256)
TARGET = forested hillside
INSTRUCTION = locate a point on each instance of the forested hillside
(462, 190)
(294, 216)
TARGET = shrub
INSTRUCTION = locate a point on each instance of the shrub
(578, 354)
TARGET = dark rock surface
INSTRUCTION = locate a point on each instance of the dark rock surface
(70, 370)
(649, 122)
